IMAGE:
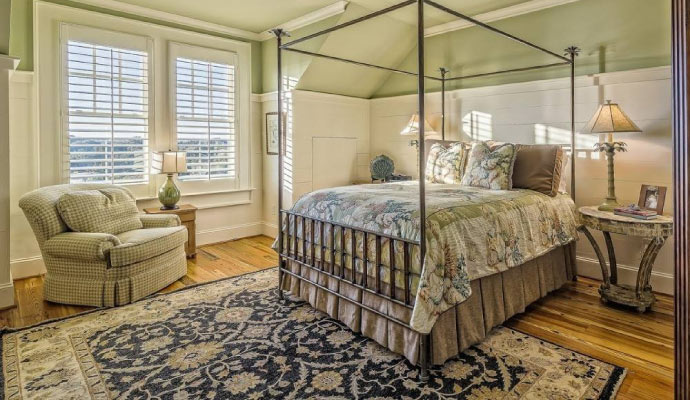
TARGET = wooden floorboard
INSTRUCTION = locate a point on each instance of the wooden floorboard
(572, 317)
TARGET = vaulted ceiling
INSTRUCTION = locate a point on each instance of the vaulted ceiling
(613, 34)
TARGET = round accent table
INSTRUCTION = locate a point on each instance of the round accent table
(655, 230)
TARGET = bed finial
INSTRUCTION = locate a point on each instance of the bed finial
(279, 32)
(572, 51)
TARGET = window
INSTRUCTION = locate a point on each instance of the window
(205, 117)
(109, 114)
(289, 84)
(106, 113)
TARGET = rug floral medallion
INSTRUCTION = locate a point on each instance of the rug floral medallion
(234, 339)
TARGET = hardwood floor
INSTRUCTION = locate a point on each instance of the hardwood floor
(572, 317)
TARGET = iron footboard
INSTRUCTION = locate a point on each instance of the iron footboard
(321, 246)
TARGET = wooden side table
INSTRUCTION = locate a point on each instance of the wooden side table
(655, 230)
(187, 214)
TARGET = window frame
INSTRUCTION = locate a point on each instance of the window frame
(109, 38)
(208, 54)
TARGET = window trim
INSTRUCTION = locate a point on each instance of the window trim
(208, 54)
(47, 86)
(108, 38)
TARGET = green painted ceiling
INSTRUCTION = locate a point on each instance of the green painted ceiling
(614, 35)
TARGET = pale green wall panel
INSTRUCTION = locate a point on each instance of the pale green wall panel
(384, 41)
(615, 35)
(21, 35)
(294, 64)
(4, 26)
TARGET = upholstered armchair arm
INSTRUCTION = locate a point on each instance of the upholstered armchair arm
(81, 245)
(159, 220)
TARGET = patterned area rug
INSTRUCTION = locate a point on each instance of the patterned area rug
(233, 339)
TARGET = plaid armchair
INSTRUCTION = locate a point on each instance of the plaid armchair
(100, 269)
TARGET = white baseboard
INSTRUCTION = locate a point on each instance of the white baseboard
(270, 230)
(6, 295)
(661, 282)
(27, 267)
(228, 233)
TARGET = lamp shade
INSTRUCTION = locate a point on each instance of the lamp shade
(412, 127)
(169, 162)
(609, 118)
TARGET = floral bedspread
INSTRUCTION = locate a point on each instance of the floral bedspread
(471, 232)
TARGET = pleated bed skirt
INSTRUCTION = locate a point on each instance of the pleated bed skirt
(494, 300)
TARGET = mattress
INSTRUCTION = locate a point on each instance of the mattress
(471, 233)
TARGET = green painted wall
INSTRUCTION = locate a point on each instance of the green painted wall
(21, 35)
(4, 26)
(614, 35)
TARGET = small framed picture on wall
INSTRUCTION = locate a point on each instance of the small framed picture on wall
(272, 132)
(652, 198)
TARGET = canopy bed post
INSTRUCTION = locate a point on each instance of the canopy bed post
(572, 52)
(289, 259)
(424, 344)
(279, 33)
(443, 102)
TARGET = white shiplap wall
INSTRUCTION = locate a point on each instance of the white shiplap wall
(525, 112)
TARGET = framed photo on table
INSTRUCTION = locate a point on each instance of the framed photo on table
(652, 198)
(272, 132)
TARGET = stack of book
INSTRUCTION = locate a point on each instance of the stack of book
(635, 212)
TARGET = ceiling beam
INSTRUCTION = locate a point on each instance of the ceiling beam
(334, 9)
(496, 15)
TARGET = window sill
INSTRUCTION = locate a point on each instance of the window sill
(205, 193)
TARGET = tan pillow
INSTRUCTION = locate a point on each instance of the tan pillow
(539, 167)
(110, 210)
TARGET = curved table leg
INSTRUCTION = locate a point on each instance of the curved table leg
(600, 257)
(613, 266)
(646, 265)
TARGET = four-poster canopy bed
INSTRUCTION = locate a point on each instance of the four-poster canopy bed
(383, 283)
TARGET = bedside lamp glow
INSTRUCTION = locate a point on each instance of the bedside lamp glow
(412, 129)
(609, 119)
(170, 163)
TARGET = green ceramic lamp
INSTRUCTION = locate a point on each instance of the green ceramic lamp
(609, 119)
(169, 163)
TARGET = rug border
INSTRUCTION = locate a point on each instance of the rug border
(616, 379)
(7, 330)
(611, 389)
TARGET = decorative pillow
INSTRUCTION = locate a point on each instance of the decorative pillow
(539, 167)
(490, 169)
(431, 158)
(446, 164)
(110, 210)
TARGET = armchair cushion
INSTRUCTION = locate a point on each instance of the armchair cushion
(108, 210)
(81, 245)
(159, 220)
(142, 244)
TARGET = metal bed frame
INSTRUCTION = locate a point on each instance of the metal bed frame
(288, 221)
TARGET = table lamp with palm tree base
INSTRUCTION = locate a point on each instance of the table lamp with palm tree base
(609, 119)
(169, 163)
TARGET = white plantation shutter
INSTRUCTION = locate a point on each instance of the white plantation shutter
(205, 118)
(106, 113)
